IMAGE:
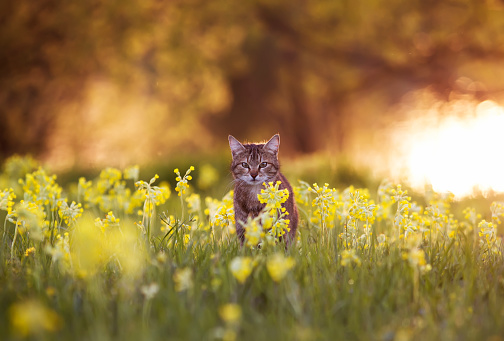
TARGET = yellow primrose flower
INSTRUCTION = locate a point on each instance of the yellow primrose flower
(208, 176)
(69, 213)
(241, 268)
(416, 258)
(7, 200)
(278, 265)
(230, 313)
(132, 173)
(32, 317)
(182, 181)
(349, 256)
(183, 279)
(272, 196)
(29, 251)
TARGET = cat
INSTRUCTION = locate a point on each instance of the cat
(252, 166)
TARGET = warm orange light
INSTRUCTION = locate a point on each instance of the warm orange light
(461, 154)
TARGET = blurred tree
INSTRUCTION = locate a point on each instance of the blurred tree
(252, 68)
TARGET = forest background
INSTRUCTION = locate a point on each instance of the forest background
(90, 84)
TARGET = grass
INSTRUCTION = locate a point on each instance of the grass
(411, 276)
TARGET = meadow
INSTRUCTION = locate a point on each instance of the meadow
(116, 257)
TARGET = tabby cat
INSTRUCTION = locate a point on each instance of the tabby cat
(252, 165)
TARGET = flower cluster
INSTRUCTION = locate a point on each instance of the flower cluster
(349, 257)
(241, 268)
(109, 192)
(272, 223)
(109, 221)
(416, 259)
(7, 197)
(183, 181)
(70, 213)
(221, 213)
(272, 196)
(42, 189)
(325, 203)
(278, 266)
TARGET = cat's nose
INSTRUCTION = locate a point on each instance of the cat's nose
(253, 174)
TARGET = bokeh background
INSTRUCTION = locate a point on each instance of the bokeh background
(90, 84)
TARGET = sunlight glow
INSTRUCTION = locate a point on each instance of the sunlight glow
(460, 155)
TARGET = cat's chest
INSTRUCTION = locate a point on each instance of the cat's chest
(247, 198)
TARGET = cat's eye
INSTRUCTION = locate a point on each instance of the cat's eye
(245, 165)
(263, 164)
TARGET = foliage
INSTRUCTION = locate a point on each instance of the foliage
(199, 68)
(361, 267)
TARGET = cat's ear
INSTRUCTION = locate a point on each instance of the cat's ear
(235, 145)
(273, 144)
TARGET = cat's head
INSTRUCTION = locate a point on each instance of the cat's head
(255, 163)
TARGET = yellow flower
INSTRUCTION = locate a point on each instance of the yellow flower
(7, 200)
(272, 196)
(416, 258)
(182, 181)
(132, 173)
(208, 176)
(348, 257)
(194, 203)
(253, 232)
(241, 268)
(31, 317)
(29, 251)
(183, 279)
(230, 313)
(278, 265)
(69, 213)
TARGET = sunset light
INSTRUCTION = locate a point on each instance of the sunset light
(461, 154)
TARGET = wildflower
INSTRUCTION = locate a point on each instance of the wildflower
(7, 200)
(488, 231)
(382, 239)
(132, 173)
(416, 258)
(92, 251)
(32, 318)
(278, 265)
(254, 232)
(302, 193)
(385, 200)
(272, 196)
(325, 202)
(208, 176)
(183, 181)
(41, 188)
(224, 212)
(84, 190)
(61, 249)
(69, 213)
(29, 216)
(241, 268)
(497, 209)
(16, 167)
(274, 215)
(183, 279)
(471, 215)
(107, 179)
(230, 313)
(349, 257)
(110, 220)
(29, 251)
(149, 291)
(194, 203)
